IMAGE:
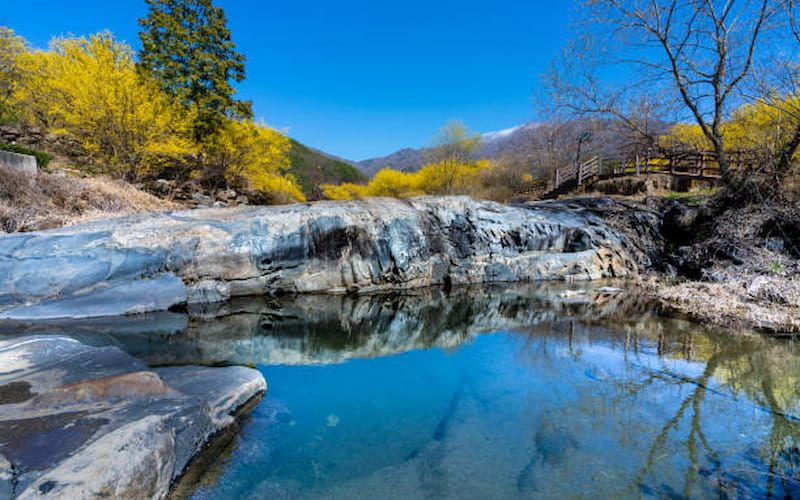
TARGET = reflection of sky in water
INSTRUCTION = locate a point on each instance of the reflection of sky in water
(510, 415)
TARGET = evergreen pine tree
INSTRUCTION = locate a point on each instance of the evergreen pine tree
(187, 47)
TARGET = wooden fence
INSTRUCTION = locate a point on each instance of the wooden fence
(689, 164)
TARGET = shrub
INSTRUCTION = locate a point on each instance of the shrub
(344, 191)
(12, 46)
(89, 89)
(247, 155)
(504, 180)
(46, 201)
(395, 184)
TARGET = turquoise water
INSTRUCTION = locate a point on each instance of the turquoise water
(538, 391)
(588, 398)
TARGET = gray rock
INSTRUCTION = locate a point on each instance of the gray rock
(360, 246)
(108, 299)
(21, 163)
(202, 199)
(78, 421)
(6, 478)
(775, 245)
(226, 194)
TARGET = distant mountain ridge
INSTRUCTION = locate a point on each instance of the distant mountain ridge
(406, 160)
(512, 141)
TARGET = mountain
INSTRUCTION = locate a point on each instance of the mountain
(313, 167)
(406, 160)
(515, 141)
(512, 141)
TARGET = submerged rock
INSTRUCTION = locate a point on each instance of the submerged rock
(154, 262)
(78, 421)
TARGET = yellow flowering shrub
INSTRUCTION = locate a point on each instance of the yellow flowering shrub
(450, 177)
(686, 136)
(254, 156)
(436, 178)
(762, 125)
(344, 191)
(395, 184)
(12, 47)
(89, 89)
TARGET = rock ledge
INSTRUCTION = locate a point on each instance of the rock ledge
(156, 261)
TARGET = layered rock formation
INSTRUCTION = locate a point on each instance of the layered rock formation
(82, 422)
(155, 262)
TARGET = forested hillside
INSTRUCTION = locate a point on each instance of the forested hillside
(313, 168)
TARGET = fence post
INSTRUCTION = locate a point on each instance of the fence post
(557, 180)
(580, 171)
(638, 166)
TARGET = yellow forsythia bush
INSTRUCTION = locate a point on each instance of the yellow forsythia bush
(344, 191)
(256, 157)
(89, 89)
(760, 125)
(445, 177)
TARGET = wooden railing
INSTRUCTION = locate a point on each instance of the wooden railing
(692, 164)
(578, 173)
(589, 169)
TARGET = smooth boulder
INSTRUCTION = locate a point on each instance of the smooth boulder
(78, 421)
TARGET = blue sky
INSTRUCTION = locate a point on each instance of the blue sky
(359, 78)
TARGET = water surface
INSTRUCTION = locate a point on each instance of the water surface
(530, 391)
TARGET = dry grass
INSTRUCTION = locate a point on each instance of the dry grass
(31, 203)
(766, 304)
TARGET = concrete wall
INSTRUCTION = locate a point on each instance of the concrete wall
(23, 163)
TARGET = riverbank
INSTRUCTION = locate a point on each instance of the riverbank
(51, 200)
(738, 268)
(744, 302)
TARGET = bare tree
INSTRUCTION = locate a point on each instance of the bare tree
(551, 147)
(684, 59)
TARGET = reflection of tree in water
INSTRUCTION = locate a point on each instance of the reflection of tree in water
(693, 403)
(760, 371)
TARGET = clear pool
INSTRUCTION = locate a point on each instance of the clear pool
(539, 392)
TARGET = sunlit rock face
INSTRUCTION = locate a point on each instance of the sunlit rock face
(153, 262)
(78, 421)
